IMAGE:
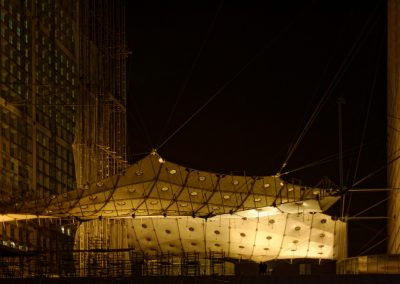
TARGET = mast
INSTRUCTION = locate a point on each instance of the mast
(393, 122)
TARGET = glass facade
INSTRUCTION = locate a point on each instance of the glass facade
(38, 94)
(37, 109)
(62, 107)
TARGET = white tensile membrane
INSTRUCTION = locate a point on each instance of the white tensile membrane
(159, 207)
(257, 235)
(151, 188)
(20, 217)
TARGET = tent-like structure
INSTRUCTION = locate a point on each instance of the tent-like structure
(164, 207)
(155, 187)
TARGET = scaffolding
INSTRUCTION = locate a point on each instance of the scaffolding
(217, 263)
(162, 264)
(109, 264)
(138, 263)
(190, 264)
(100, 132)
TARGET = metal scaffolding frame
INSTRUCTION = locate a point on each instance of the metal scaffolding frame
(190, 264)
(217, 262)
(100, 132)
(102, 263)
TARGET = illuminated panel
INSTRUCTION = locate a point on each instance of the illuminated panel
(280, 236)
(19, 217)
(150, 188)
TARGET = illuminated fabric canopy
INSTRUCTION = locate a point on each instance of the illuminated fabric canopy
(155, 187)
(267, 237)
(19, 217)
(165, 207)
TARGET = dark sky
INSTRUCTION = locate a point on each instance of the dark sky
(292, 52)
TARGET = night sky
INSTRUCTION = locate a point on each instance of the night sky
(283, 58)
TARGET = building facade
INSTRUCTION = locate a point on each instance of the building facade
(62, 106)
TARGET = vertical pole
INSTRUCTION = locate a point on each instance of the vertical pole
(340, 102)
(34, 20)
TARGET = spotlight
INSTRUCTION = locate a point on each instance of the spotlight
(133, 215)
(164, 214)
